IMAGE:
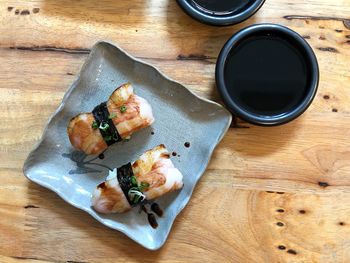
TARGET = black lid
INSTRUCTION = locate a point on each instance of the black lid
(221, 12)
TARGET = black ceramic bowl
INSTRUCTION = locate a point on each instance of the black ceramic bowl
(267, 74)
(220, 12)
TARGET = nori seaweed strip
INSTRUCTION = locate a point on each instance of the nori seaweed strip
(124, 174)
(101, 115)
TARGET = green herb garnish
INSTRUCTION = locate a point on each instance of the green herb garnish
(94, 125)
(134, 188)
(143, 186)
(104, 126)
(136, 199)
(135, 195)
(111, 116)
(133, 181)
(107, 138)
(115, 137)
(135, 192)
(123, 109)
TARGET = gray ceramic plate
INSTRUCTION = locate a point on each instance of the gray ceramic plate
(180, 116)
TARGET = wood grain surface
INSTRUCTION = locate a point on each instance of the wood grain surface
(278, 194)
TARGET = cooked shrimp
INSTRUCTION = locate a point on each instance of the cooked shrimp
(109, 197)
(130, 113)
(154, 169)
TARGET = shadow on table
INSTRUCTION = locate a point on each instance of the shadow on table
(110, 12)
(206, 40)
(248, 139)
(252, 140)
(80, 237)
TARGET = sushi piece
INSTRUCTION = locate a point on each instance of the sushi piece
(123, 114)
(151, 176)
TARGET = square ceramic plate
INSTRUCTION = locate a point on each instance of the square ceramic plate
(180, 117)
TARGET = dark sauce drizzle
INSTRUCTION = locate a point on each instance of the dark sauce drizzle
(152, 220)
(101, 115)
(156, 209)
(124, 174)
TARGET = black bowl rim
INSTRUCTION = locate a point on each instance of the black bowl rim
(264, 120)
(220, 20)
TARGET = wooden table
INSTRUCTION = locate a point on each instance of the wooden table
(277, 194)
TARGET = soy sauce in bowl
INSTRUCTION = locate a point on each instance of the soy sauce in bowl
(267, 74)
(222, 7)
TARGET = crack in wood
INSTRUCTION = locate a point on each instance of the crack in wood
(201, 58)
(171, 59)
(323, 184)
(24, 258)
(328, 49)
(38, 259)
(25, 12)
(193, 57)
(53, 49)
(345, 21)
(274, 179)
(292, 251)
(31, 206)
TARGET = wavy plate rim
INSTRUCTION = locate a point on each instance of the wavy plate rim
(61, 107)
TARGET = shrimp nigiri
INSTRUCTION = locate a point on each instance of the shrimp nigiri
(123, 114)
(148, 178)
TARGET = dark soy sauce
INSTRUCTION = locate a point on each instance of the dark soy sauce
(266, 75)
(221, 7)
